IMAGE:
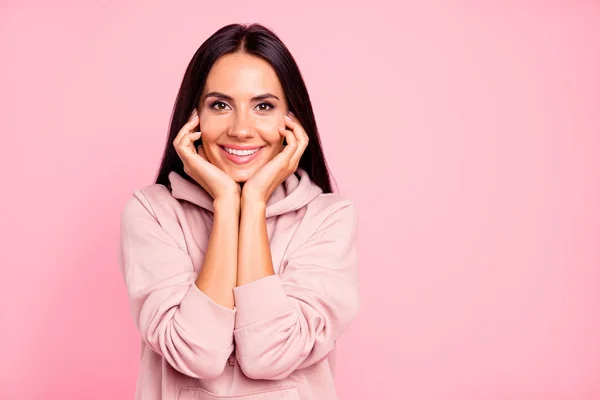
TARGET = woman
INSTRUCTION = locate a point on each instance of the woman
(239, 262)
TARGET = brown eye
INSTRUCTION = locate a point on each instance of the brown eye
(217, 103)
(269, 105)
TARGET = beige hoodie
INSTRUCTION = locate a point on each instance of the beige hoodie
(283, 327)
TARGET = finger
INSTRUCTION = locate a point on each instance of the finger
(297, 128)
(301, 139)
(186, 148)
(291, 122)
(292, 143)
(295, 159)
(188, 127)
(187, 141)
(193, 115)
(184, 131)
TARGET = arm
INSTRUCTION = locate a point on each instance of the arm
(218, 274)
(290, 321)
(179, 321)
(254, 250)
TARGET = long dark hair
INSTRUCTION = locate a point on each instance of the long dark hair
(257, 40)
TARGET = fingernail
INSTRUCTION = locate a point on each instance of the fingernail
(289, 117)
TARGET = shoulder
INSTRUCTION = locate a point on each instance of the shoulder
(153, 200)
(330, 203)
(330, 209)
(153, 215)
(329, 227)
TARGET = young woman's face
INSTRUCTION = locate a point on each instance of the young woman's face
(240, 109)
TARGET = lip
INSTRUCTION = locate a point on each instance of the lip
(241, 159)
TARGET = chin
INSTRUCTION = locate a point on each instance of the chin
(241, 176)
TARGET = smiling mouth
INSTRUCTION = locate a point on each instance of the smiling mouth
(241, 153)
(240, 156)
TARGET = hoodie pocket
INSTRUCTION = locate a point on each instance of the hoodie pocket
(287, 393)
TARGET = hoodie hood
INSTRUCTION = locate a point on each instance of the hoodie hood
(293, 193)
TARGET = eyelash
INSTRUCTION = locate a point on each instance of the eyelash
(212, 106)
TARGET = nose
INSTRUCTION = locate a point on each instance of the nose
(242, 127)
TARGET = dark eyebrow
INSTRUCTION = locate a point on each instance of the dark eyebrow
(227, 97)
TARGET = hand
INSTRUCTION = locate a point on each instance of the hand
(264, 182)
(216, 182)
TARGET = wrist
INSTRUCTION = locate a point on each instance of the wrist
(227, 204)
(253, 204)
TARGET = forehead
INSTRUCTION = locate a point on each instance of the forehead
(242, 75)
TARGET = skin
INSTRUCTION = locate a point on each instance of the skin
(238, 248)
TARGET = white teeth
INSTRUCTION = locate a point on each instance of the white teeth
(240, 152)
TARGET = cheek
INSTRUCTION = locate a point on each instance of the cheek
(270, 129)
(210, 128)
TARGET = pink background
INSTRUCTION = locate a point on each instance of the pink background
(468, 135)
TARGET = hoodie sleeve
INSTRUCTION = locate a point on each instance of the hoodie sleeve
(177, 320)
(290, 321)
